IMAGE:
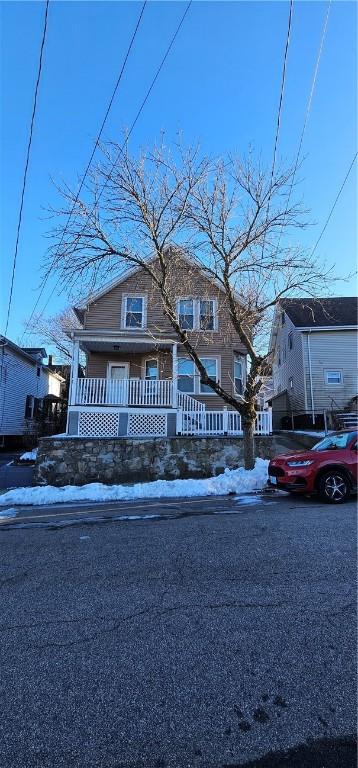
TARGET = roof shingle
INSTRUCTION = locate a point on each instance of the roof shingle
(325, 312)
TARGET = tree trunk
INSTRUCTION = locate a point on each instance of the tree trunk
(248, 430)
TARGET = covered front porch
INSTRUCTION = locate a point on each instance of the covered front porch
(135, 392)
(134, 372)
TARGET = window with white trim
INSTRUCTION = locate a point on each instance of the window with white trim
(333, 377)
(197, 314)
(211, 366)
(186, 314)
(186, 375)
(134, 312)
(151, 369)
(238, 376)
(207, 314)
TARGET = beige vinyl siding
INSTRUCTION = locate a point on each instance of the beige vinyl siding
(97, 368)
(106, 314)
(97, 363)
(331, 350)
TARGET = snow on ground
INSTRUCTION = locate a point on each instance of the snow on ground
(6, 513)
(29, 455)
(239, 481)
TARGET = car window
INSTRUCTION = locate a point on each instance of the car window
(333, 442)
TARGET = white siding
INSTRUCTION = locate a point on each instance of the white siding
(291, 366)
(18, 379)
(331, 350)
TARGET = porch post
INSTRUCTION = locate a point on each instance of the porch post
(175, 375)
(74, 372)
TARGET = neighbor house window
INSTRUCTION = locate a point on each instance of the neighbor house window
(185, 375)
(134, 312)
(290, 340)
(151, 369)
(186, 314)
(38, 370)
(238, 376)
(211, 366)
(29, 407)
(333, 377)
(291, 382)
(207, 314)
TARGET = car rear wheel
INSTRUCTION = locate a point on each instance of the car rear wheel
(334, 487)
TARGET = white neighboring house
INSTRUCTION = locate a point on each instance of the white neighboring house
(25, 382)
(314, 346)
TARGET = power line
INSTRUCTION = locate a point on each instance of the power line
(334, 204)
(308, 110)
(163, 60)
(27, 164)
(110, 103)
(279, 111)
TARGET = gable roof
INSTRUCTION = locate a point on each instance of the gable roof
(129, 271)
(329, 312)
(23, 352)
(37, 352)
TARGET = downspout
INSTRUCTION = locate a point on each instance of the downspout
(310, 370)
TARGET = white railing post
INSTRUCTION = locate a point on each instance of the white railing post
(175, 375)
(225, 421)
(74, 371)
(179, 421)
(270, 420)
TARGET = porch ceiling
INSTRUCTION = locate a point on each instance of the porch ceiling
(130, 345)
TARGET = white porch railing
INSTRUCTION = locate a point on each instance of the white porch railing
(131, 392)
(188, 403)
(222, 423)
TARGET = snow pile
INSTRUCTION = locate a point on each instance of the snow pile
(231, 481)
(7, 513)
(29, 456)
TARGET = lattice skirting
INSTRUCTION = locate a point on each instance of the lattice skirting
(98, 424)
(147, 425)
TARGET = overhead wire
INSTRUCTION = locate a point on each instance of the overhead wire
(307, 112)
(148, 92)
(29, 143)
(108, 109)
(279, 112)
(334, 205)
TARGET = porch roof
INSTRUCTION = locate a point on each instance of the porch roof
(120, 341)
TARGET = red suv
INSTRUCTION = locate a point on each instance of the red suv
(329, 468)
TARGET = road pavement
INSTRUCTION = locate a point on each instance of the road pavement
(204, 632)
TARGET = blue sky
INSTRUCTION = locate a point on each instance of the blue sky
(220, 86)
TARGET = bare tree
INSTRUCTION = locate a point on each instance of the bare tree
(55, 331)
(230, 215)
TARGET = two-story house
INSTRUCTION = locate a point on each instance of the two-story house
(27, 386)
(139, 381)
(314, 358)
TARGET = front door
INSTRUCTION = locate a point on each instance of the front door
(117, 387)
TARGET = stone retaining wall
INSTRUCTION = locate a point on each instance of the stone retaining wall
(86, 460)
(77, 461)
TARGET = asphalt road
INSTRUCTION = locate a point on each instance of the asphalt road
(12, 476)
(221, 633)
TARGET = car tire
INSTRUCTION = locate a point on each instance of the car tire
(334, 487)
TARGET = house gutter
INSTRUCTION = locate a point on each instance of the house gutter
(310, 370)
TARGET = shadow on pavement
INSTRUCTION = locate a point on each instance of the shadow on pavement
(323, 753)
